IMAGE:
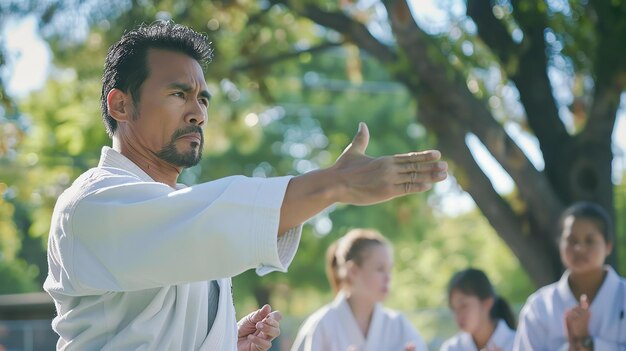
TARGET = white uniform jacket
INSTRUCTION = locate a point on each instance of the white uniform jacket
(542, 319)
(502, 338)
(333, 328)
(130, 258)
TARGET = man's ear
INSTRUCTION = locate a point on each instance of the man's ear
(119, 105)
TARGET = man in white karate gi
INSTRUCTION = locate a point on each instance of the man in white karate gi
(139, 262)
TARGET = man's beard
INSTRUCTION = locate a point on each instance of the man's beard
(191, 158)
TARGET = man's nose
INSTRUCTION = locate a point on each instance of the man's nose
(196, 115)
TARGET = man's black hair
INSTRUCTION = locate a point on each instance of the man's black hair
(126, 65)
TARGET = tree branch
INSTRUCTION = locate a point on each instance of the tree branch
(492, 31)
(268, 61)
(603, 112)
(534, 85)
(438, 79)
(591, 173)
(525, 243)
(353, 30)
(258, 17)
(610, 69)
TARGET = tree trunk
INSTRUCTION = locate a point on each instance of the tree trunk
(577, 167)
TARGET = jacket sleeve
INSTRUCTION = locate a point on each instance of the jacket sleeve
(141, 235)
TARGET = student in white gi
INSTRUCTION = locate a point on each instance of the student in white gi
(139, 262)
(485, 319)
(584, 310)
(359, 270)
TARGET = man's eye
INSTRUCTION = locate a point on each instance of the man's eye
(179, 94)
(204, 102)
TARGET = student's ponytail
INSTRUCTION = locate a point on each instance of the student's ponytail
(332, 268)
(502, 310)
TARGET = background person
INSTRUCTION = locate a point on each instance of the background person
(584, 310)
(359, 270)
(485, 319)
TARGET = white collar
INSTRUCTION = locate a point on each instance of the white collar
(111, 158)
(605, 293)
(349, 321)
(501, 334)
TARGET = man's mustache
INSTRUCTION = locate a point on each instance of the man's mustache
(188, 130)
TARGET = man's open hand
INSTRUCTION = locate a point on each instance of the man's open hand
(358, 179)
(371, 180)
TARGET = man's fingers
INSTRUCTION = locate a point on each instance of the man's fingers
(360, 141)
(267, 331)
(260, 343)
(269, 328)
(276, 315)
(260, 314)
(273, 319)
(417, 157)
(267, 324)
(408, 188)
(416, 177)
(408, 167)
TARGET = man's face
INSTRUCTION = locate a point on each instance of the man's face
(172, 108)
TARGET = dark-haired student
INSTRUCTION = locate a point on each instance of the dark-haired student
(584, 310)
(485, 319)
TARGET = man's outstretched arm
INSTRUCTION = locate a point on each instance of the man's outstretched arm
(359, 180)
